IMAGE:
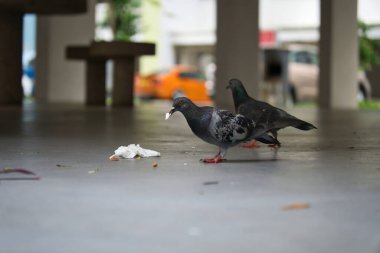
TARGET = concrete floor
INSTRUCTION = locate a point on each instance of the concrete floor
(87, 203)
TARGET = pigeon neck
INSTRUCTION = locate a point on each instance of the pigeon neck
(194, 116)
(240, 95)
(190, 111)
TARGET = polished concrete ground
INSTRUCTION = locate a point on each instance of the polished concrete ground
(87, 203)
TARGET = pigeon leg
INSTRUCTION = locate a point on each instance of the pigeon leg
(216, 159)
(251, 144)
(278, 144)
(275, 146)
(274, 133)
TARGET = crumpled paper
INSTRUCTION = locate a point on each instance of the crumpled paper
(133, 151)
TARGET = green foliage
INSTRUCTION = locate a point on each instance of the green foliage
(367, 48)
(371, 105)
(122, 17)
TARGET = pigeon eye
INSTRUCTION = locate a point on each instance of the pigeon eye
(180, 103)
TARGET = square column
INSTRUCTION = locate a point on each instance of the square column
(123, 76)
(237, 48)
(10, 58)
(11, 26)
(95, 82)
(338, 54)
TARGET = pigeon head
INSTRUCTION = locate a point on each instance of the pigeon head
(181, 104)
(234, 84)
(237, 87)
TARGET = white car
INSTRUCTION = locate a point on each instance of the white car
(303, 71)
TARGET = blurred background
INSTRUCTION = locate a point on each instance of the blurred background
(185, 36)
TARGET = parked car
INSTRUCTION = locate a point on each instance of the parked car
(144, 86)
(178, 81)
(303, 71)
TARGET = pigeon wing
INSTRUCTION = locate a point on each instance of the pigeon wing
(228, 128)
(249, 109)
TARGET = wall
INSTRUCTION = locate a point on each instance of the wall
(150, 30)
(58, 79)
(275, 14)
(185, 23)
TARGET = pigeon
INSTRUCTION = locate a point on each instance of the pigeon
(219, 127)
(256, 110)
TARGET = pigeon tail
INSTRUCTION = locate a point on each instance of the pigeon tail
(267, 139)
(305, 126)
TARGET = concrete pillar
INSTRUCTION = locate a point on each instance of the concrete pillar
(41, 62)
(10, 58)
(122, 94)
(57, 79)
(96, 82)
(237, 48)
(338, 54)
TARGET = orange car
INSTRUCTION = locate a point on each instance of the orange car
(179, 81)
(144, 86)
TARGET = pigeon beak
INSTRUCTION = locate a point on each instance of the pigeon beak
(168, 114)
(228, 87)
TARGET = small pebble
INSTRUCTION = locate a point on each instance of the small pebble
(114, 158)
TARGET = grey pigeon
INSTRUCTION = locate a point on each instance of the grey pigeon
(256, 110)
(219, 127)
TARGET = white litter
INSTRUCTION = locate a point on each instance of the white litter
(134, 151)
